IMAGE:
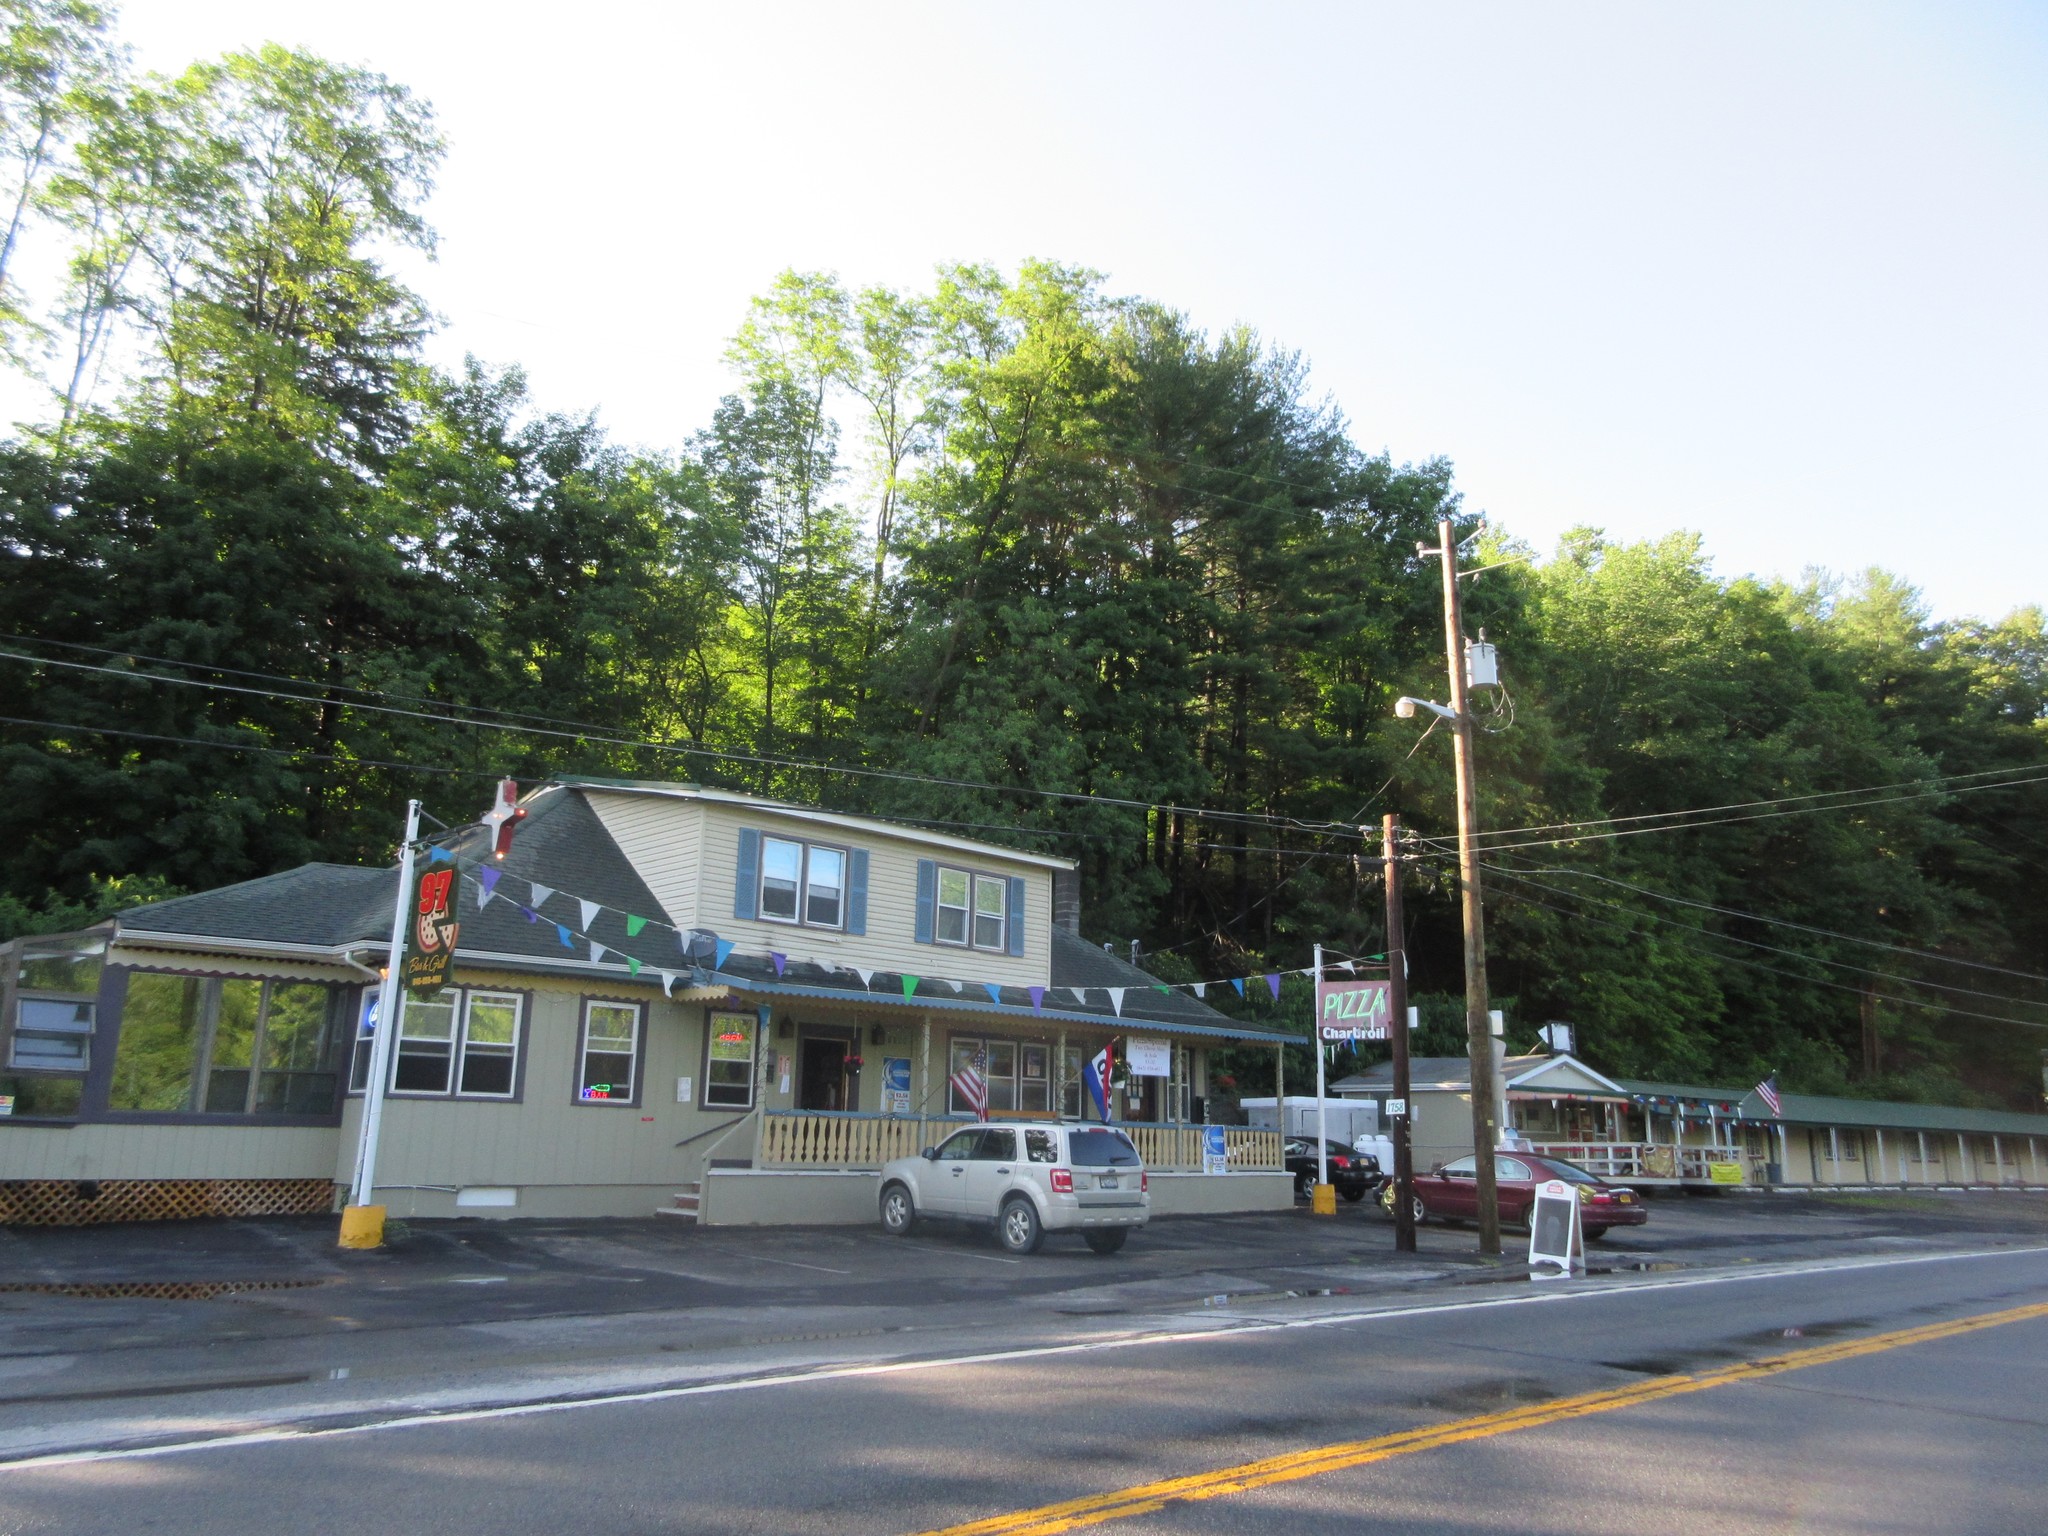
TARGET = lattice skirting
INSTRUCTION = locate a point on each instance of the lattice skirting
(79, 1203)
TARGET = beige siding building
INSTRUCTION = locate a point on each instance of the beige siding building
(664, 990)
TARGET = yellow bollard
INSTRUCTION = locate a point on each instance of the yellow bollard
(362, 1226)
(1323, 1200)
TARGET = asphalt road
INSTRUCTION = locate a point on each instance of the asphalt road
(1623, 1403)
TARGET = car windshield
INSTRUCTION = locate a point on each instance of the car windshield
(1100, 1149)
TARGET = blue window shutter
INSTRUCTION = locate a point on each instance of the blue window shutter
(1016, 914)
(927, 898)
(857, 891)
(746, 891)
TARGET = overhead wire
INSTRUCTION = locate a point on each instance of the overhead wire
(1779, 922)
(1776, 949)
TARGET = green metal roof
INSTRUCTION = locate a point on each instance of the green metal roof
(1879, 1114)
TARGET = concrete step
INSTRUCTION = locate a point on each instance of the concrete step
(685, 1203)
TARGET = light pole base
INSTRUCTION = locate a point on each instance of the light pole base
(1322, 1199)
(362, 1226)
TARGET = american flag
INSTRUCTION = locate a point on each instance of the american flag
(971, 1085)
(1767, 1090)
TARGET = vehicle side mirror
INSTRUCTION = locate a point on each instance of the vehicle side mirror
(1436, 1169)
(931, 1154)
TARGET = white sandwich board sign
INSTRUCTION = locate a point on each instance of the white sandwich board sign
(1555, 1234)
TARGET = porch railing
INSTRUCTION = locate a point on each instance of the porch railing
(1648, 1159)
(843, 1140)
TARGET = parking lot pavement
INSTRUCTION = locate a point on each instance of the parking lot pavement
(109, 1333)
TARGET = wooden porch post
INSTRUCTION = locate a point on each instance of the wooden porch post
(1998, 1160)
(1280, 1088)
(1880, 1157)
(1923, 1155)
(1060, 1078)
(2034, 1153)
(1963, 1157)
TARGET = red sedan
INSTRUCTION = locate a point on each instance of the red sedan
(1451, 1192)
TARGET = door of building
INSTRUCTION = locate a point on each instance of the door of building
(821, 1076)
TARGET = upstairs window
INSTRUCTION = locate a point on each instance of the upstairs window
(974, 910)
(802, 883)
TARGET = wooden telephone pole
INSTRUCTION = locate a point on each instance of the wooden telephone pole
(1478, 1029)
(1397, 1012)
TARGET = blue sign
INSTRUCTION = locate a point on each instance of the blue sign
(895, 1085)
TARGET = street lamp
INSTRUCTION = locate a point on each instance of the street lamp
(1405, 707)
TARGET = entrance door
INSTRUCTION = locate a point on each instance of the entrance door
(821, 1074)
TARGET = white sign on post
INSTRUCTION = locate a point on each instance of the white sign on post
(1148, 1058)
(1396, 1108)
(1555, 1236)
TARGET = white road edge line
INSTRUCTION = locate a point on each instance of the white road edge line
(994, 1357)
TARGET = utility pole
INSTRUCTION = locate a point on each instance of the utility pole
(1478, 1033)
(362, 1223)
(1397, 1014)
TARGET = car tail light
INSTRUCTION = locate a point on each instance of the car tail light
(1340, 1162)
(1144, 1182)
(1599, 1197)
(1062, 1181)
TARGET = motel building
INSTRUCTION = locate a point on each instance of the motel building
(667, 998)
(1679, 1134)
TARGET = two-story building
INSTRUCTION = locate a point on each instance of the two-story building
(666, 997)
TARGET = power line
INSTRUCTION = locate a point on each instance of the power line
(1722, 821)
(1251, 818)
(1744, 805)
(1781, 922)
(240, 746)
(1757, 965)
(1775, 949)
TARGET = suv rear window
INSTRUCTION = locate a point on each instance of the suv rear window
(1101, 1149)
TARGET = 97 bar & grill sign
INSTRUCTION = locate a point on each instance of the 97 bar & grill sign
(1351, 1010)
(430, 946)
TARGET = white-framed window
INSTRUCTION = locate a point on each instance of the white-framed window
(729, 1041)
(609, 1054)
(461, 1043)
(972, 910)
(802, 883)
(1018, 1073)
(56, 995)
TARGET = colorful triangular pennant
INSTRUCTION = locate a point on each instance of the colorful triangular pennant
(634, 925)
(995, 993)
(909, 985)
(1116, 1000)
(486, 883)
(541, 893)
(589, 909)
(563, 934)
(1273, 986)
(1037, 997)
(1238, 982)
(779, 960)
(719, 952)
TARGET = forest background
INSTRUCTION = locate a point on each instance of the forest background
(1014, 555)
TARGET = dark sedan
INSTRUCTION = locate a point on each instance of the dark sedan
(1354, 1174)
(1451, 1193)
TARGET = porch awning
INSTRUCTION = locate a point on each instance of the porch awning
(1107, 1023)
(1567, 1096)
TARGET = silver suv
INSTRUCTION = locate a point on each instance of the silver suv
(1027, 1178)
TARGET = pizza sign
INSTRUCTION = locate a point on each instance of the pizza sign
(430, 954)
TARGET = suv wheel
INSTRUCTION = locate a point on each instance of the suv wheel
(1017, 1228)
(898, 1214)
(1107, 1239)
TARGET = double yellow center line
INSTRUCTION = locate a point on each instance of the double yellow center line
(1149, 1498)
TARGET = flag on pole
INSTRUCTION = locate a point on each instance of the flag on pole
(972, 1086)
(1098, 1076)
(1767, 1090)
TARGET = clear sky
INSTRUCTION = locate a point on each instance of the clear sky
(1775, 273)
